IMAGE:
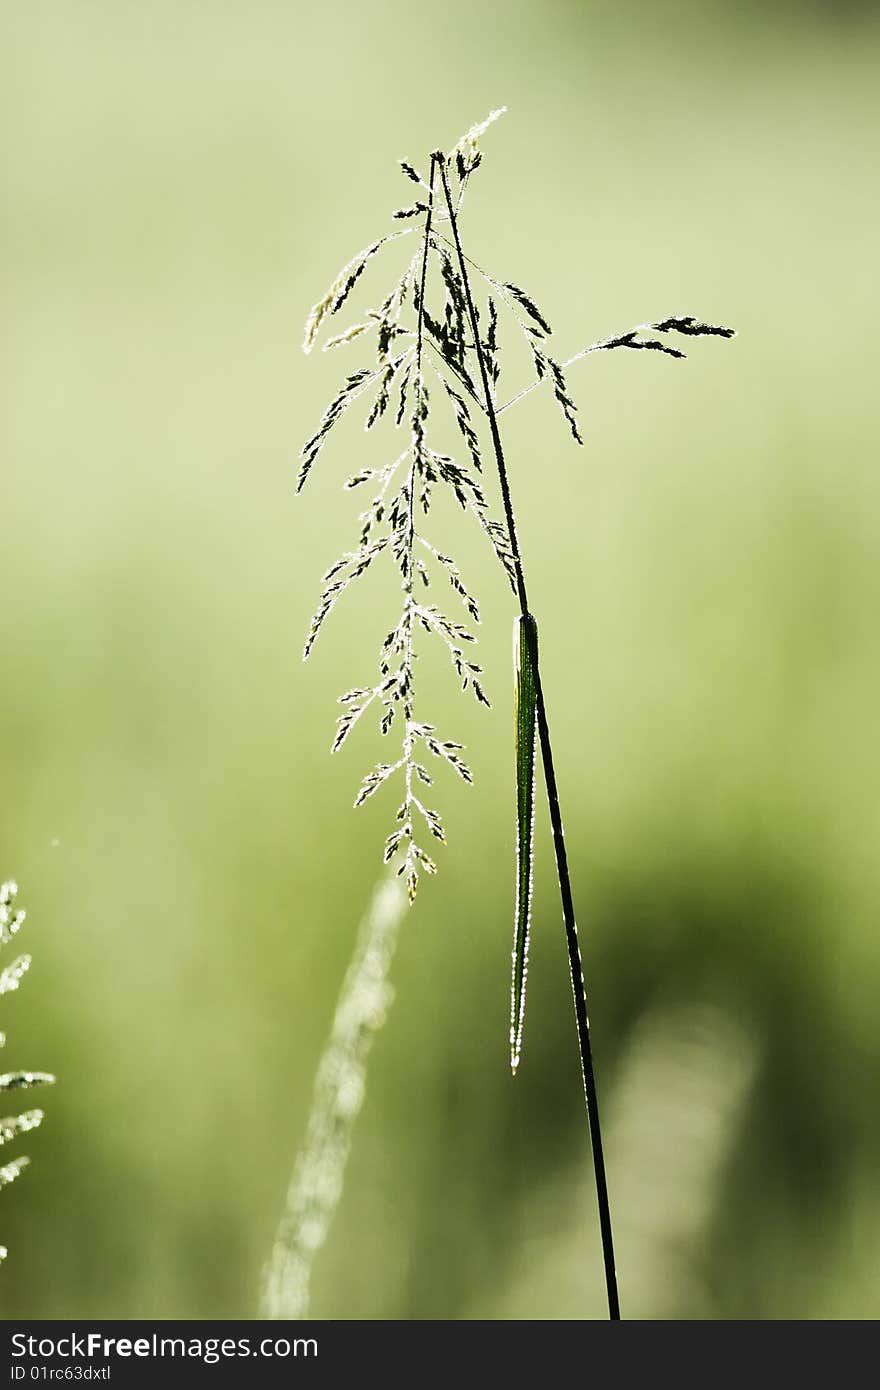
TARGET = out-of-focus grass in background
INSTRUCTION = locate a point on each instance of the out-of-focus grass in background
(179, 183)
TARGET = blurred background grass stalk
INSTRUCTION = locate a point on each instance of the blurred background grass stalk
(316, 1185)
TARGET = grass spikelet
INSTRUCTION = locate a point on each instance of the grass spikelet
(468, 147)
(347, 336)
(331, 302)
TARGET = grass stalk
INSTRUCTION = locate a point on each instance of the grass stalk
(394, 523)
(568, 913)
(319, 1173)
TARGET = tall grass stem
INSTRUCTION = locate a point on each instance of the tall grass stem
(568, 914)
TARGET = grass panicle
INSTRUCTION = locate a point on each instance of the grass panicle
(444, 316)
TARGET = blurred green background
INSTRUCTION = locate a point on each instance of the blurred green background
(179, 183)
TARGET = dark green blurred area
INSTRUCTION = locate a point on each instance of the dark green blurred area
(179, 184)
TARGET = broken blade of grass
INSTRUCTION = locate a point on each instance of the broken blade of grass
(525, 642)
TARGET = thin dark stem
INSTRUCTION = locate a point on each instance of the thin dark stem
(574, 955)
(456, 373)
(418, 430)
(424, 271)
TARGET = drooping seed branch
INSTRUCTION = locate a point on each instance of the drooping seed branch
(391, 526)
(415, 466)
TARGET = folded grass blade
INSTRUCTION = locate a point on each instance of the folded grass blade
(525, 646)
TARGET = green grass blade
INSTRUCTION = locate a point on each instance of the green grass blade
(525, 645)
